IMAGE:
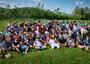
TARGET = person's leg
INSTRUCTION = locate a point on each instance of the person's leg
(71, 45)
(9, 47)
(26, 50)
(86, 48)
(43, 47)
(84, 42)
(37, 47)
(86, 45)
(58, 46)
(52, 46)
(17, 49)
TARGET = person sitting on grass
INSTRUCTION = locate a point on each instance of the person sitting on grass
(31, 39)
(37, 33)
(53, 42)
(15, 43)
(3, 49)
(86, 42)
(38, 44)
(44, 37)
(65, 36)
(24, 46)
(2, 41)
(8, 42)
(70, 42)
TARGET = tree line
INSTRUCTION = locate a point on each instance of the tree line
(79, 13)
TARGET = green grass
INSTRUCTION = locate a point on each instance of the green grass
(2, 25)
(49, 56)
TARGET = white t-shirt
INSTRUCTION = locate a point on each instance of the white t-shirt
(37, 33)
(52, 41)
(38, 43)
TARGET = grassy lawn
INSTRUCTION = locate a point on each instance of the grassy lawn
(2, 25)
(49, 56)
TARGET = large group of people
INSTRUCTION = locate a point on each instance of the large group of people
(24, 36)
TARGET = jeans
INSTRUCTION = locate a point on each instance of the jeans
(3, 44)
(23, 47)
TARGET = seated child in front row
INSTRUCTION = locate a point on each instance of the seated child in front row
(70, 42)
(3, 48)
(24, 46)
(38, 44)
(16, 44)
(8, 42)
(86, 42)
(53, 42)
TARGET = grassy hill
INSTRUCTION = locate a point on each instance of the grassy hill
(47, 56)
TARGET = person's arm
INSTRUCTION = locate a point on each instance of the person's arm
(42, 41)
(27, 43)
(18, 46)
(13, 45)
(34, 44)
(49, 42)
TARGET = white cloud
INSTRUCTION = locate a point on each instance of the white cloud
(76, 2)
(37, 0)
(2, 1)
(79, 2)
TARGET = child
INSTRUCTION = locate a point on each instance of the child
(65, 37)
(37, 33)
(24, 46)
(86, 42)
(8, 42)
(3, 50)
(38, 44)
(31, 39)
(15, 44)
(2, 42)
(53, 42)
(70, 42)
